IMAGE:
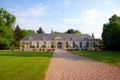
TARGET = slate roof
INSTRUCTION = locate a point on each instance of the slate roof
(53, 36)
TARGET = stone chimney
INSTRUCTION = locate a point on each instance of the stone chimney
(93, 35)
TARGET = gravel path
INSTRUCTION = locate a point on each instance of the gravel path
(67, 66)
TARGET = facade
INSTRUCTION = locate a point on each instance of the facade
(57, 41)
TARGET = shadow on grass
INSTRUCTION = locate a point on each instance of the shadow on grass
(27, 54)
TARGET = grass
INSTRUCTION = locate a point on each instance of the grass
(112, 58)
(18, 65)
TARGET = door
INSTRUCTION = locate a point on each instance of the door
(59, 45)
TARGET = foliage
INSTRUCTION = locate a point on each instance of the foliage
(40, 30)
(52, 46)
(57, 32)
(26, 32)
(43, 46)
(32, 46)
(99, 44)
(6, 28)
(68, 45)
(103, 56)
(111, 33)
(17, 36)
(18, 33)
(16, 65)
(71, 31)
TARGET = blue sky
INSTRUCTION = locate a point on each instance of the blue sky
(88, 16)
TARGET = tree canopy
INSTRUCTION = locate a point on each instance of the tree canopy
(6, 28)
(72, 31)
(40, 30)
(26, 32)
(111, 33)
(69, 31)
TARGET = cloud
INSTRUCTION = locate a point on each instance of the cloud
(91, 15)
(117, 12)
(36, 11)
(109, 2)
(27, 18)
(89, 21)
(55, 27)
(70, 20)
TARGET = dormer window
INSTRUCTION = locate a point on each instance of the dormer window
(44, 38)
(30, 38)
(86, 39)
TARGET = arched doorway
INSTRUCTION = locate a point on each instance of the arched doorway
(59, 45)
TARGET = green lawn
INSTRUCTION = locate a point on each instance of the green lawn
(103, 56)
(18, 65)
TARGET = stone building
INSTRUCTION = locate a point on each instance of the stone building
(57, 41)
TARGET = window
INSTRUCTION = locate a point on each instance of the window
(74, 45)
(52, 45)
(87, 44)
(86, 38)
(67, 45)
(80, 44)
(37, 44)
(45, 43)
(44, 38)
(30, 38)
(30, 44)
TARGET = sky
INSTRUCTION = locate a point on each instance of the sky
(88, 16)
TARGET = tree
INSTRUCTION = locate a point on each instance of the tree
(18, 33)
(40, 30)
(6, 28)
(17, 36)
(57, 32)
(71, 31)
(26, 32)
(111, 33)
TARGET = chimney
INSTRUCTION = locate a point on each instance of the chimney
(93, 35)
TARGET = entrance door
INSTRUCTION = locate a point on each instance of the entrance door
(59, 45)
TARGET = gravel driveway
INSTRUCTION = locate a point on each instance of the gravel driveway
(67, 66)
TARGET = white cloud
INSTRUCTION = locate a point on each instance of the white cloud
(109, 2)
(117, 12)
(36, 11)
(70, 20)
(28, 18)
(88, 16)
(90, 21)
(55, 27)
(91, 15)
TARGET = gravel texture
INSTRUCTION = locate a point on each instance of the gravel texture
(67, 66)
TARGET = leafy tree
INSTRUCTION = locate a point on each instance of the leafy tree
(18, 33)
(57, 32)
(71, 31)
(6, 28)
(26, 32)
(111, 33)
(17, 36)
(40, 30)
